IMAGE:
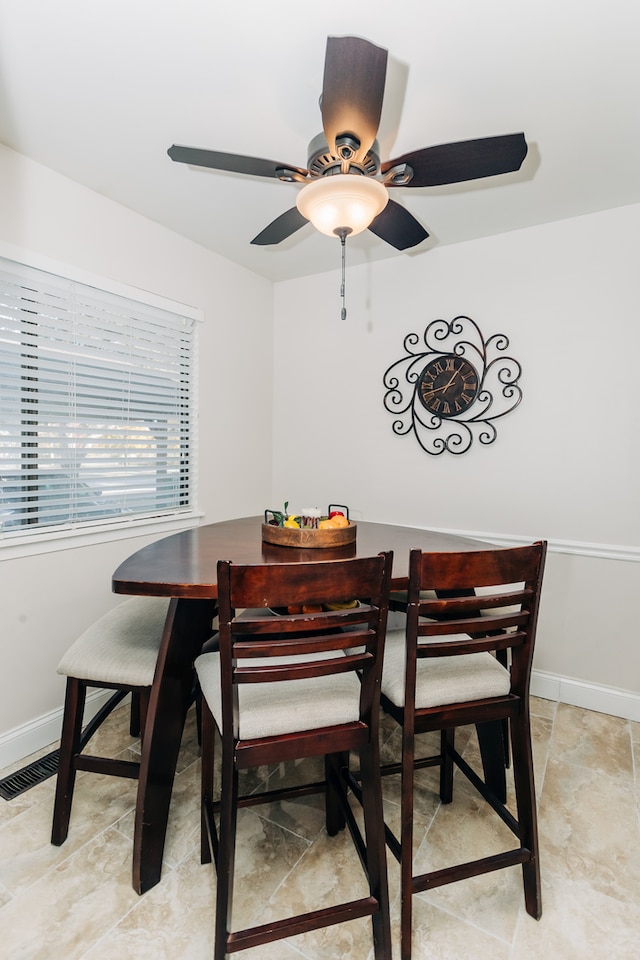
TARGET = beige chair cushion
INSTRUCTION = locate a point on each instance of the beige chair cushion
(442, 680)
(122, 646)
(287, 706)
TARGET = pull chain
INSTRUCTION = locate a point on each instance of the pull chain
(343, 232)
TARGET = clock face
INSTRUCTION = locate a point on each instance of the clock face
(448, 385)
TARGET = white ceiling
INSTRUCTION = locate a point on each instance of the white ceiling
(99, 89)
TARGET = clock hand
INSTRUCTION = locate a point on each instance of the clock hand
(446, 385)
(438, 389)
(456, 372)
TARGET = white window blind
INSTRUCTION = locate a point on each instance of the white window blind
(96, 406)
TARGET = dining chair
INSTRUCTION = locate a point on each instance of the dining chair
(117, 652)
(442, 672)
(283, 688)
(493, 737)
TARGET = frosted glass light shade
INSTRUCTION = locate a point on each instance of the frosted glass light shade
(344, 200)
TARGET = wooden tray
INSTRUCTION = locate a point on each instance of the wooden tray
(308, 538)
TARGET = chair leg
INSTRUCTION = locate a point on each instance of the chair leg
(527, 815)
(134, 716)
(375, 847)
(336, 786)
(143, 695)
(491, 743)
(505, 744)
(208, 757)
(139, 709)
(226, 852)
(69, 749)
(197, 698)
(447, 743)
(406, 840)
(502, 656)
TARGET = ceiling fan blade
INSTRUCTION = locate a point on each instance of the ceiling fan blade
(466, 160)
(234, 163)
(398, 227)
(281, 228)
(352, 92)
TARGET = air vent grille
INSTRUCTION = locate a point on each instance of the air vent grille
(29, 776)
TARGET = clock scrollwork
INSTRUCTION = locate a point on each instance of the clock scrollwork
(451, 386)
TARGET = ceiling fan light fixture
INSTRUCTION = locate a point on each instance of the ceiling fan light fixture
(344, 202)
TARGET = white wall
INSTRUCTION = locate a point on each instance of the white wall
(566, 462)
(46, 600)
(564, 466)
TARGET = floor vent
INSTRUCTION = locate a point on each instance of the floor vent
(29, 776)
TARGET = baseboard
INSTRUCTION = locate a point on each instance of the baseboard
(21, 742)
(590, 696)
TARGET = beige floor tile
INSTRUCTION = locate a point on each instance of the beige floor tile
(426, 780)
(589, 828)
(5, 896)
(464, 830)
(439, 935)
(183, 828)
(345, 941)
(328, 873)
(64, 912)
(35, 795)
(426, 799)
(25, 841)
(387, 726)
(10, 809)
(265, 856)
(189, 747)
(175, 921)
(393, 819)
(113, 736)
(293, 773)
(543, 708)
(594, 740)
(303, 816)
(541, 733)
(578, 922)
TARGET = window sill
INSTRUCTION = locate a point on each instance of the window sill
(53, 542)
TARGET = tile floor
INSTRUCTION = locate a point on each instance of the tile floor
(76, 902)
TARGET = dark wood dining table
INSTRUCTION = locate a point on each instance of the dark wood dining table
(183, 568)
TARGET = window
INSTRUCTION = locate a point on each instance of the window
(96, 406)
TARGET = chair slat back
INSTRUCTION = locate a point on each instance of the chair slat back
(257, 631)
(485, 600)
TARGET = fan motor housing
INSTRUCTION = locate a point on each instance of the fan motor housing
(322, 163)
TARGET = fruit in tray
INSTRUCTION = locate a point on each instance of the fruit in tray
(333, 521)
(309, 518)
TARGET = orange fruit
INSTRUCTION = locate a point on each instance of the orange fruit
(339, 520)
(328, 524)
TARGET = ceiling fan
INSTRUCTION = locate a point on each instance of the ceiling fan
(346, 186)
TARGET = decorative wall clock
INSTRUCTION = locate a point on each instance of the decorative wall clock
(450, 387)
